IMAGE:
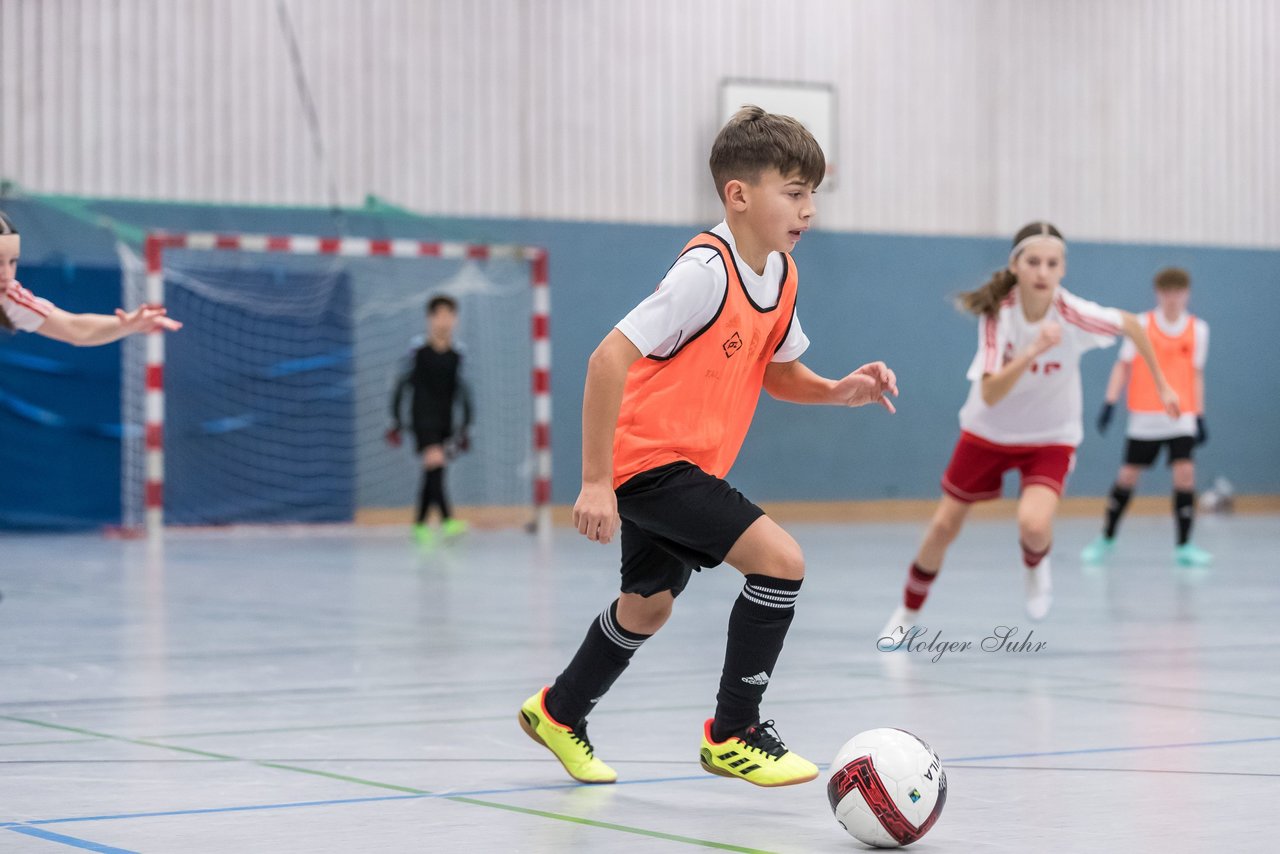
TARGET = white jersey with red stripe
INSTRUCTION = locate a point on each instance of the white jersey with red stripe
(1045, 405)
(25, 310)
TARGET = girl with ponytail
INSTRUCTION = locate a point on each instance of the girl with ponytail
(1023, 411)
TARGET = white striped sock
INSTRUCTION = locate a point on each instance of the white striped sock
(614, 633)
(770, 597)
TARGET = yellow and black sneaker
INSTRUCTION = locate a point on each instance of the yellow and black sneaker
(569, 744)
(756, 755)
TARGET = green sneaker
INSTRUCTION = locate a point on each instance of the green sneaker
(424, 536)
(570, 745)
(1098, 551)
(1189, 554)
(453, 528)
(756, 755)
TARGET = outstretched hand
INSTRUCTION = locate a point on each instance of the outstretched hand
(147, 318)
(869, 384)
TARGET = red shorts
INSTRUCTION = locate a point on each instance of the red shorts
(978, 466)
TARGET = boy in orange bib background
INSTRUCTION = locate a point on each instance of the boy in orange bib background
(670, 394)
(1181, 342)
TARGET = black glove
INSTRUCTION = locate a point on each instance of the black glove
(458, 444)
(1104, 417)
(1202, 434)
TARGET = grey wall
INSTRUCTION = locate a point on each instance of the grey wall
(1124, 120)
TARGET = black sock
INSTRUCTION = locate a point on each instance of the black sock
(1116, 503)
(424, 497)
(1184, 513)
(757, 627)
(605, 652)
(434, 488)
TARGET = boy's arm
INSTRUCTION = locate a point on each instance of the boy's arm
(1119, 379)
(595, 513)
(1133, 329)
(796, 383)
(1115, 385)
(1202, 432)
(402, 381)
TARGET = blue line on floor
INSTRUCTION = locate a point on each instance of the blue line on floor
(1112, 749)
(558, 786)
(82, 844)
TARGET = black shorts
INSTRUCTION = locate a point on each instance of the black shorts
(676, 519)
(425, 437)
(1143, 452)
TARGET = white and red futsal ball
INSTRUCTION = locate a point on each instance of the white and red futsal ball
(887, 787)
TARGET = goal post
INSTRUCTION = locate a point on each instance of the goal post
(293, 366)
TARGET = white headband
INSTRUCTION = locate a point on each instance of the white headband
(1024, 242)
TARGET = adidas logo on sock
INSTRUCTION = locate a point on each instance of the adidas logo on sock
(760, 678)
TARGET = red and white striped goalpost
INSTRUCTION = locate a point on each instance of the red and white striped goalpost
(352, 247)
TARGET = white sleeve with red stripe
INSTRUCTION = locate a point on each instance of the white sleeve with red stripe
(1092, 325)
(25, 310)
(992, 334)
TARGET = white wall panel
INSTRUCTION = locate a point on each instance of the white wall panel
(1119, 119)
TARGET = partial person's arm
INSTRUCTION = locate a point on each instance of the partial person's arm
(796, 383)
(1115, 385)
(1200, 357)
(595, 513)
(403, 380)
(464, 398)
(997, 385)
(91, 330)
(1202, 432)
(1133, 329)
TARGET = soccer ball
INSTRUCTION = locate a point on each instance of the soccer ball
(887, 787)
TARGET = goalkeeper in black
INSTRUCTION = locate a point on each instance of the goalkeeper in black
(433, 377)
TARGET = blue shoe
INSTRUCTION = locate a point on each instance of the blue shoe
(1098, 551)
(1189, 554)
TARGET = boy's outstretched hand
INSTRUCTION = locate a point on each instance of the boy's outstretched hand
(595, 513)
(869, 384)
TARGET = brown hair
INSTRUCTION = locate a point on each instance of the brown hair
(6, 227)
(753, 140)
(1172, 279)
(987, 299)
(440, 301)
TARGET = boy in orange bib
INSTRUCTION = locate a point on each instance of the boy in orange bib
(669, 397)
(1181, 342)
